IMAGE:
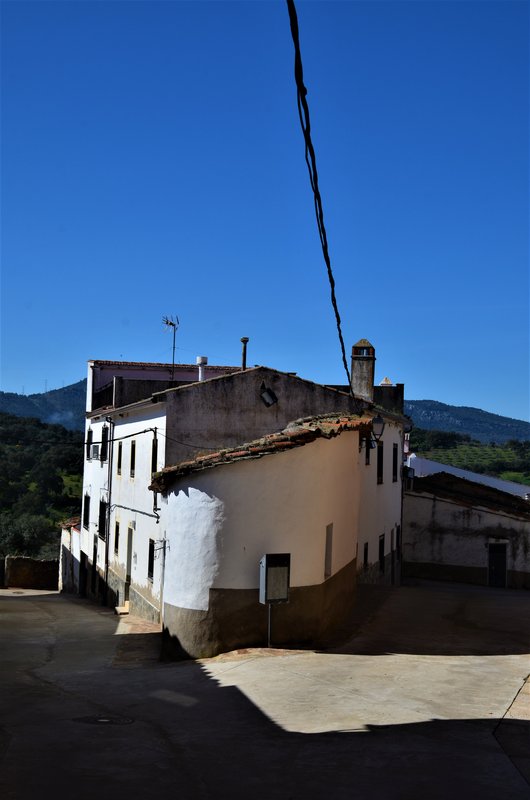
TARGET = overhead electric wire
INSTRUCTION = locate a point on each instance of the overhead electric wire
(303, 111)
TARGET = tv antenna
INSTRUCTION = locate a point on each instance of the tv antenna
(172, 323)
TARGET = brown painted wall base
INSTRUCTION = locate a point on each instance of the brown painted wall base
(460, 574)
(235, 618)
(445, 572)
(518, 580)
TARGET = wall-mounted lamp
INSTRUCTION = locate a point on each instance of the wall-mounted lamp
(369, 438)
(267, 395)
(378, 426)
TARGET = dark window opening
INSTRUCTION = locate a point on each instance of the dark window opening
(382, 554)
(103, 455)
(89, 437)
(394, 463)
(154, 456)
(398, 542)
(365, 556)
(120, 454)
(86, 511)
(133, 458)
(151, 560)
(102, 520)
(368, 447)
(328, 552)
(116, 537)
(380, 460)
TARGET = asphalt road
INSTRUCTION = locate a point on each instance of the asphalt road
(427, 700)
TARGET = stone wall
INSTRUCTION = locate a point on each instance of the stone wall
(31, 573)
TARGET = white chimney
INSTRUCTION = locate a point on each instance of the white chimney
(201, 362)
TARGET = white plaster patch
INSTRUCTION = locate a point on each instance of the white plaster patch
(195, 520)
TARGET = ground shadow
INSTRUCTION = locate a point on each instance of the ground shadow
(90, 725)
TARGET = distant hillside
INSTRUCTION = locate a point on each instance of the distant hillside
(67, 407)
(64, 407)
(480, 425)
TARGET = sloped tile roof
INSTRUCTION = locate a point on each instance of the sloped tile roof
(296, 434)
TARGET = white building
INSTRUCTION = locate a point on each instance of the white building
(307, 491)
(177, 553)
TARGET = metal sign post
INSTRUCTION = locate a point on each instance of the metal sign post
(274, 577)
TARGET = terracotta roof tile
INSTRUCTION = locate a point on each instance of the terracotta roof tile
(296, 434)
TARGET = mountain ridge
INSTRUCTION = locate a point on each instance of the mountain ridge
(66, 407)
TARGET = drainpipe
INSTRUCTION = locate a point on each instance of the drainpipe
(244, 342)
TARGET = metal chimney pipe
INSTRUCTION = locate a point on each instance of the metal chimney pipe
(244, 341)
(201, 362)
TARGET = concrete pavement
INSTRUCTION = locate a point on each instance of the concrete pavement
(426, 699)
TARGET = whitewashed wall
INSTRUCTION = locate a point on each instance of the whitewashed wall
(441, 531)
(131, 502)
(380, 511)
(221, 521)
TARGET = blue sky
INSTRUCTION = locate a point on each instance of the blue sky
(153, 164)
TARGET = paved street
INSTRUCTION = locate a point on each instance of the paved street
(427, 700)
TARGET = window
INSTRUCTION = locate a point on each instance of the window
(382, 554)
(365, 556)
(366, 442)
(328, 551)
(133, 458)
(102, 519)
(86, 511)
(104, 443)
(119, 458)
(89, 436)
(154, 455)
(116, 537)
(151, 560)
(380, 459)
(394, 463)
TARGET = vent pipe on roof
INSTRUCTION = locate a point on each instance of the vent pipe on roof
(201, 362)
(244, 342)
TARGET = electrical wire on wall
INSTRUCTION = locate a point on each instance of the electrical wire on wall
(303, 111)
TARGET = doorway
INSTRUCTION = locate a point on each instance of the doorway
(497, 565)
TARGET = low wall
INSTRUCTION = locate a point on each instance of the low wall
(31, 573)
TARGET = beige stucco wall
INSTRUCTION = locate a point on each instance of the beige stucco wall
(221, 521)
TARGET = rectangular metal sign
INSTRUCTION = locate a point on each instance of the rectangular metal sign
(274, 577)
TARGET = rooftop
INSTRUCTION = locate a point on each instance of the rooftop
(296, 434)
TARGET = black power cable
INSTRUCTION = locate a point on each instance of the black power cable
(303, 111)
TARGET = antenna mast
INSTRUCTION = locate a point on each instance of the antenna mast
(172, 323)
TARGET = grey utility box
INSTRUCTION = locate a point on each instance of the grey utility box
(274, 576)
